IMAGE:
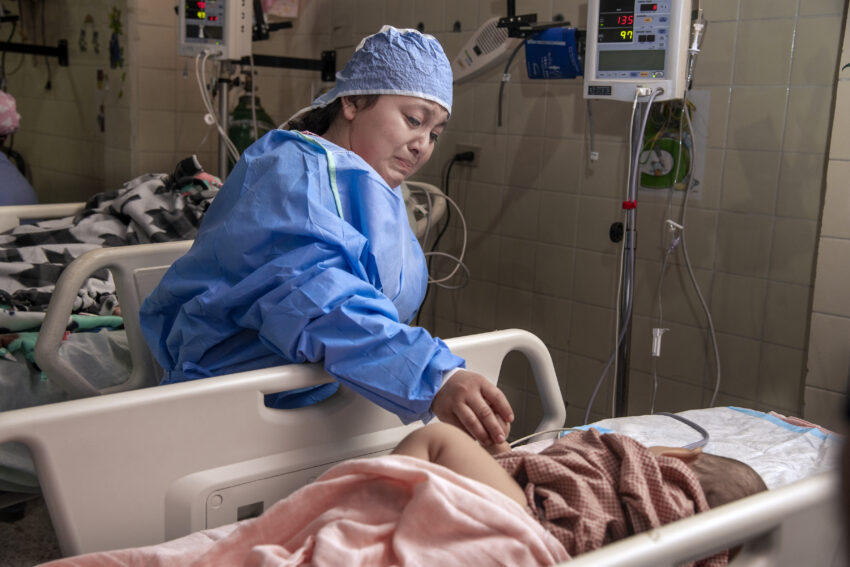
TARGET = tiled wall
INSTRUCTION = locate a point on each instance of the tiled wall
(60, 136)
(829, 334)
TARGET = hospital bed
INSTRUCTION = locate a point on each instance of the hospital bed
(146, 465)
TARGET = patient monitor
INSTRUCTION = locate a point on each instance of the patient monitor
(636, 44)
(222, 27)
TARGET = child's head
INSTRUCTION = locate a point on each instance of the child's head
(725, 480)
(722, 479)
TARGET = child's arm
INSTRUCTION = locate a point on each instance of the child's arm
(447, 445)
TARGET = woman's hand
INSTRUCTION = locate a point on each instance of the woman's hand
(469, 401)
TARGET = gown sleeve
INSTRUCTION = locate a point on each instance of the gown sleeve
(283, 263)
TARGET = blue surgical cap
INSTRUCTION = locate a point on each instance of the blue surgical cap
(394, 61)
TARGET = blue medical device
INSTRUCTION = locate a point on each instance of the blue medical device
(636, 44)
(554, 53)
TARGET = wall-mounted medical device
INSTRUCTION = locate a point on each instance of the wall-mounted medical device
(222, 27)
(636, 43)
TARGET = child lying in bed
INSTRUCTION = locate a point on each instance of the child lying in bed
(589, 489)
(423, 506)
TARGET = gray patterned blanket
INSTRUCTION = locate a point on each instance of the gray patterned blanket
(150, 208)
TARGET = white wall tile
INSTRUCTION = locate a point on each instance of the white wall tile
(553, 270)
(743, 242)
(714, 63)
(739, 362)
(829, 355)
(737, 305)
(606, 177)
(786, 317)
(761, 9)
(836, 207)
(514, 309)
(756, 118)
(750, 181)
(833, 273)
(808, 119)
(561, 162)
(565, 110)
(825, 408)
(550, 320)
(155, 131)
(594, 223)
(595, 278)
(157, 90)
(717, 115)
(816, 48)
(720, 10)
(523, 167)
(157, 46)
(801, 185)
(820, 7)
(558, 218)
(781, 376)
(520, 213)
(525, 111)
(793, 251)
(763, 50)
(431, 13)
(517, 264)
(839, 146)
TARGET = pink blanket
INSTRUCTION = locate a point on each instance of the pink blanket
(390, 510)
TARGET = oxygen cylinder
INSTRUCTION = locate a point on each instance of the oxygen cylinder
(241, 126)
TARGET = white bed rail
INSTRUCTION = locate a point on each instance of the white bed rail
(136, 270)
(139, 467)
(12, 215)
(791, 526)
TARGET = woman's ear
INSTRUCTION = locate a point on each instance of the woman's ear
(686, 455)
(349, 108)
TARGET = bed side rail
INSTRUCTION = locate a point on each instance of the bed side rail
(797, 524)
(136, 270)
(12, 215)
(139, 467)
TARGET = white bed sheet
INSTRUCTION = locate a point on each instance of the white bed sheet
(780, 452)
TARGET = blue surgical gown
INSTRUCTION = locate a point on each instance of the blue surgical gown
(305, 255)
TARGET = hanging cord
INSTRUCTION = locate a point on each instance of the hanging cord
(685, 118)
(465, 156)
(507, 77)
(201, 77)
(634, 155)
(696, 285)
(433, 250)
(593, 155)
(253, 100)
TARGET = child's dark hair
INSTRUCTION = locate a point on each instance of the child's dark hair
(319, 120)
(724, 480)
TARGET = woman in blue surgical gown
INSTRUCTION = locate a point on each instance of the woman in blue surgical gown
(306, 254)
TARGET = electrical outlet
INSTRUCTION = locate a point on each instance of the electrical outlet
(476, 150)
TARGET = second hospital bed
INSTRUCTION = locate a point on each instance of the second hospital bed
(144, 466)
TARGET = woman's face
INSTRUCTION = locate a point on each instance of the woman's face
(396, 135)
